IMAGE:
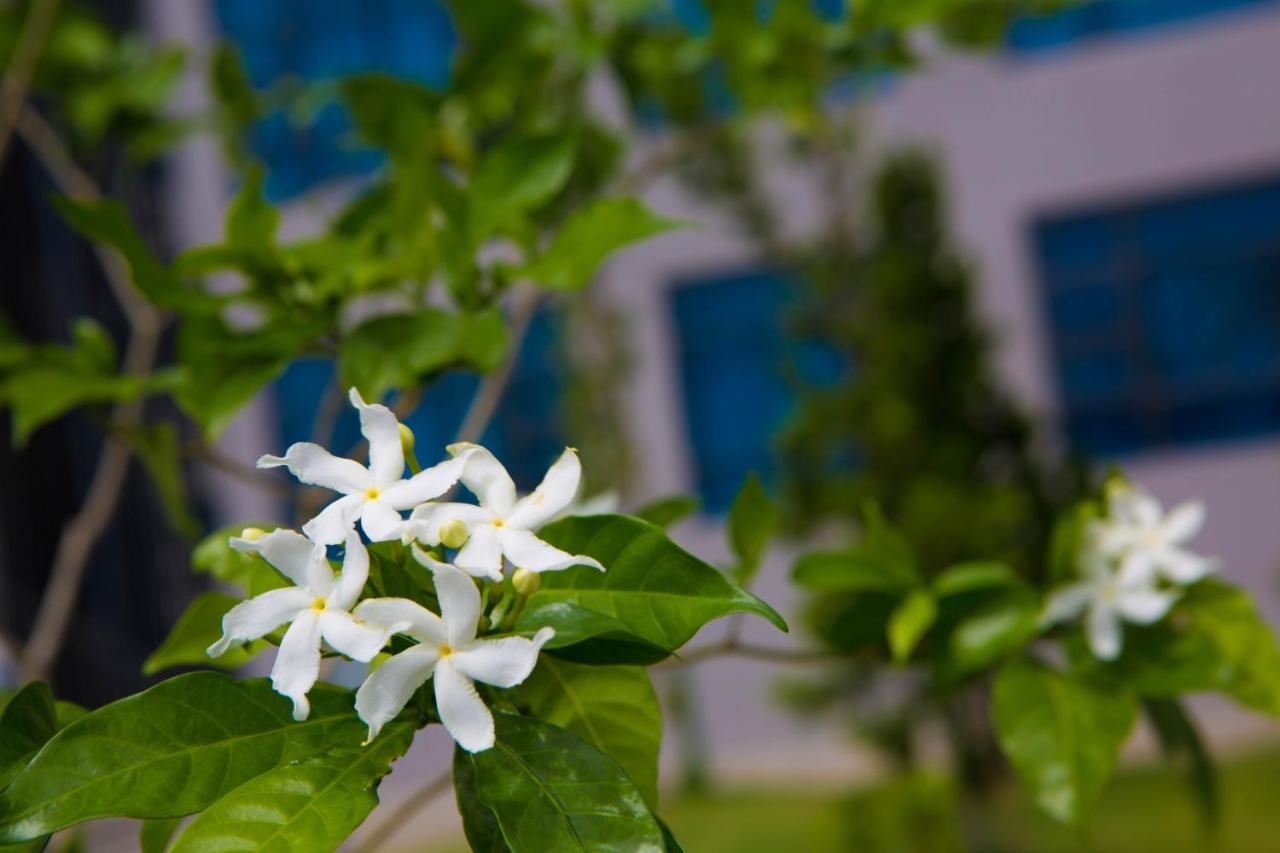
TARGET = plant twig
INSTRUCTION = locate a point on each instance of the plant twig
(256, 477)
(22, 67)
(401, 814)
(82, 531)
(736, 648)
(485, 403)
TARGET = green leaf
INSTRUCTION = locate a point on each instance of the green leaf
(660, 592)
(251, 220)
(1180, 740)
(1066, 539)
(483, 340)
(394, 351)
(586, 635)
(754, 519)
(155, 835)
(108, 221)
(880, 561)
(517, 176)
(197, 628)
(214, 556)
(590, 235)
(669, 837)
(665, 512)
(157, 447)
(29, 719)
(613, 708)
(967, 577)
(1061, 735)
(910, 622)
(311, 805)
(550, 791)
(993, 631)
(172, 750)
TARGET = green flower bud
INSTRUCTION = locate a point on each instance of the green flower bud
(526, 582)
(252, 534)
(407, 439)
(454, 533)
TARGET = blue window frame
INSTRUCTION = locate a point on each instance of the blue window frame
(1165, 318)
(736, 363)
(319, 40)
(526, 432)
(1040, 33)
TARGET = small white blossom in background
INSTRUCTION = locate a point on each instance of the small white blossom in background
(502, 525)
(317, 607)
(1133, 565)
(449, 652)
(375, 495)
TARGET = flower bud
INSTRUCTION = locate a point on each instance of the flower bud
(454, 533)
(252, 534)
(407, 439)
(525, 581)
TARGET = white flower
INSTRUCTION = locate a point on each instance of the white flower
(502, 525)
(1108, 596)
(318, 606)
(375, 495)
(449, 651)
(1149, 543)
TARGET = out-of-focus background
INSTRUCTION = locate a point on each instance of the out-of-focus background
(1110, 178)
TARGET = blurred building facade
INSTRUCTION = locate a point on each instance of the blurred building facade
(1114, 174)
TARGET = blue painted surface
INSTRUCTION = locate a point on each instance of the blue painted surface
(1165, 318)
(734, 354)
(1114, 18)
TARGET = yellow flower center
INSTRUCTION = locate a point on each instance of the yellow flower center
(318, 605)
(371, 493)
(497, 522)
(445, 650)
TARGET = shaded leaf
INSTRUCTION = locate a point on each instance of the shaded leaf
(1181, 741)
(214, 556)
(754, 519)
(970, 576)
(665, 512)
(29, 719)
(155, 835)
(590, 235)
(199, 626)
(157, 447)
(517, 176)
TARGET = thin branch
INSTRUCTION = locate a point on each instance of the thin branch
(485, 403)
(218, 460)
(401, 814)
(22, 67)
(82, 531)
(735, 648)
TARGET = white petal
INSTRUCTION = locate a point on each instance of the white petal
(357, 640)
(379, 425)
(1131, 505)
(486, 478)
(482, 555)
(381, 523)
(355, 572)
(556, 491)
(1066, 603)
(1183, 567)
(459, 605)
(331, 525)
(429, 517)
(259, 616)
(1145, 605)
(1183, 522)
(426, 484)
(388, 689)
(298, 662)
(1102, 626)
(526, 551)
(462, 711)
(503, 662)
(297, 557)
(1138, 568)
(314, 465)
(402, 616)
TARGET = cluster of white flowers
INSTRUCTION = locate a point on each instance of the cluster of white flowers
(322, 607)
(1133, 565)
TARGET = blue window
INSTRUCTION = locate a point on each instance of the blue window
(526, 432)
(735, 365)
(1165, 318)
(319, 40)
(1039, 33)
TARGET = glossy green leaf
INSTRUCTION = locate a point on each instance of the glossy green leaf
(665, 512)
(589, 236)
(548, 790)
(199, 626)
(311, 805)
(587, 635)
(517, 176)
(910, 621)
(967, 577)
(214, 556)
(154, 835)
(479, 824)
(613, 708)
(1062, 735)
(754, 519)
(660, 592)
(29, 719)
(995, 630)
(171, 750)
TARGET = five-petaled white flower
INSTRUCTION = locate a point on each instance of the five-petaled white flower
(449, 651)
(1148, 542)
(502, 525)
(1108, 595)
(318, 606)
(375, 495)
